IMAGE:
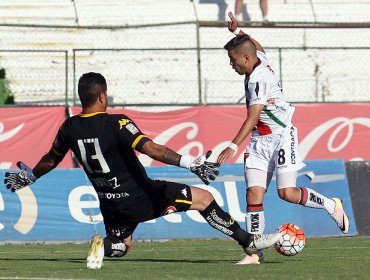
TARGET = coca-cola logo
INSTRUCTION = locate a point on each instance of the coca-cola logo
(165, 136)
(340, 126)
(191, 144)
(334, 131)
(340, 140)
(9, 134)
(4, 136)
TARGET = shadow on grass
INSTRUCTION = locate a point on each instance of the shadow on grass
(78, 260)
(190, 261)
(166, 260)
(45, 259)
(148, 260)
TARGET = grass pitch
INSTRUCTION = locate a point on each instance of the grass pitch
(322, 258)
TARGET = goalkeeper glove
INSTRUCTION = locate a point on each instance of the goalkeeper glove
(205, 170)
(18, 180)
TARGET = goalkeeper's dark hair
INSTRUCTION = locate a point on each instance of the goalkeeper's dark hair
(89, 86)
(237, 41)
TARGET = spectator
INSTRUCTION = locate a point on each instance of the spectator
(239, 9)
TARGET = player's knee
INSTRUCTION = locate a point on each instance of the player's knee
(113, 247)
(255, 195)
(287, 194)
(207, 198)
(129, 245)
(201, 199)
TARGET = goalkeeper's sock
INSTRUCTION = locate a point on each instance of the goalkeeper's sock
(255, 218)
(113, 247)
(313, 199)
(222, 221)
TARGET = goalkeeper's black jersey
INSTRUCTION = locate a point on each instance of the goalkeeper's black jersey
(104, 145)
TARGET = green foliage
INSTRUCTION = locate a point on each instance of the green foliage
(4, 92)
(4, 88)
(322, 258)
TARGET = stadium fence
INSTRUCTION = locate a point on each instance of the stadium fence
(313, 62)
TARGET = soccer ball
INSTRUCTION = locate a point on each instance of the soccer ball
(292, 240)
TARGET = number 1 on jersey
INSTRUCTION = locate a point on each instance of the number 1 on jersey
(97, 156)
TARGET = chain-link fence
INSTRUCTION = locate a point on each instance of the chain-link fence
(183, 64)
(143, 76)
(174, 76)
(36, 77)
(307, 75)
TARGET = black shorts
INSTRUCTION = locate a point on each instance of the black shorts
(162, 198)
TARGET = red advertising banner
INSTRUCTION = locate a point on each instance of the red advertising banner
(334, 131)
(326, 131)
(26, 134)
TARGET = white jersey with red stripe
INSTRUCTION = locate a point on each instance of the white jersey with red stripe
(262, 87)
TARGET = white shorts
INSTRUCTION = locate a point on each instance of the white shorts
(259, 178)
(275, 152)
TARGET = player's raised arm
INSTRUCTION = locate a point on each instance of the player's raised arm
(232, 25)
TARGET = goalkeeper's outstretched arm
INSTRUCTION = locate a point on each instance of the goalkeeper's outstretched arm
(16, 181)
(205, 170)
(47, 163)
(161, 153)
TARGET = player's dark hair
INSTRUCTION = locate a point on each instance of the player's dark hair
(89, 87)
(236, 41)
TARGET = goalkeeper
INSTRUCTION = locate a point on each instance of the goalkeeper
(105, 146)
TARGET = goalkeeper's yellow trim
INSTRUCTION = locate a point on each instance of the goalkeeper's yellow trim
(133, 146)
(56, 152)
(91, 114)
(183, 201)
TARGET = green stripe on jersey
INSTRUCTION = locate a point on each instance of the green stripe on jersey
(273, 117)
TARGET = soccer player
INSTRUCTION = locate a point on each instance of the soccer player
(105, 146)
(274, 141)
